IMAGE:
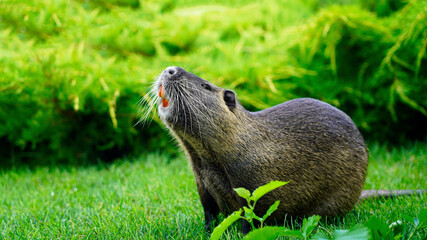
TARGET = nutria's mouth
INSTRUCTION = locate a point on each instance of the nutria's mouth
(165, 102)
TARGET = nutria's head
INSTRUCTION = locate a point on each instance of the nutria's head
(190, 105)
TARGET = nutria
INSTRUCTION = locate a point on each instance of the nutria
(311, 144)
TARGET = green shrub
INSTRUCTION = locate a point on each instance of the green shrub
(371, 68)
(72, 72)
(68, 104)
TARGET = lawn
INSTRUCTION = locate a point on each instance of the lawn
(155, 197)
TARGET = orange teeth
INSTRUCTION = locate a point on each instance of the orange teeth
(161, 91)
(165, 102)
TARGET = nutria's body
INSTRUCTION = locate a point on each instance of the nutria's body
(310, 143)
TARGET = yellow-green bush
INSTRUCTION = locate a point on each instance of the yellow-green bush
(72, 72)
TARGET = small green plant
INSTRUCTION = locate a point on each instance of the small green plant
(249, 214)
(272, 232)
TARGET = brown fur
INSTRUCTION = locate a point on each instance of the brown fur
(310, 143)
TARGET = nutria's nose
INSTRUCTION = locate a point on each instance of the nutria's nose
(170, 71)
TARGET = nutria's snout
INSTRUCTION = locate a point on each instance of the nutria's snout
(163, 88)
(169, 87)
(171, 73)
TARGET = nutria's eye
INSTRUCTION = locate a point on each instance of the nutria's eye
(206, 86)
(230, 99)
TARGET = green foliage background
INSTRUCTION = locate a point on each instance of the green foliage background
(72, 72)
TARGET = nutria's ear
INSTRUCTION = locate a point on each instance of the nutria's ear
(230, 99)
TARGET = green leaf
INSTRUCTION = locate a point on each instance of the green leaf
(249, 213)
(243, 192)
(422, 217)
(320, 236)
(220, 229)
(262, 190)
(266, 233)
(357, 232)
(379, 229)
(309, 225)
(292, 233)
(271, 209)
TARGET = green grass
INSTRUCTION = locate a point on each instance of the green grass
(138, 199)
(155, 197)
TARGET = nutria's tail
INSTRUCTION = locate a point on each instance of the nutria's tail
(388, 193)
